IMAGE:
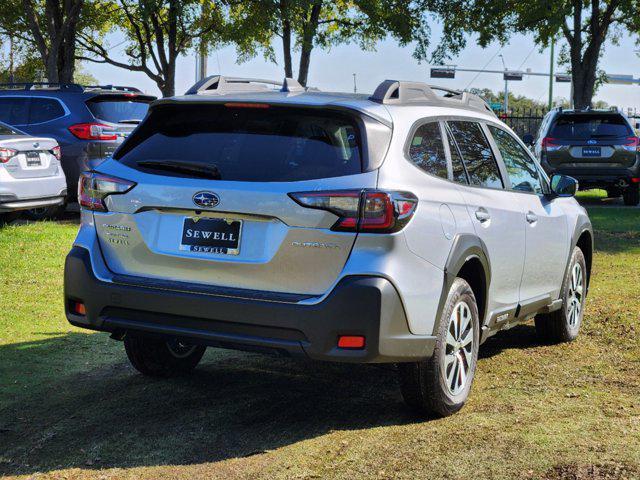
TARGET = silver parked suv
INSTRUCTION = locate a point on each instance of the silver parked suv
(405, 227)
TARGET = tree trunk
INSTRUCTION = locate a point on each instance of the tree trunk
(309, 31)
(286, 38)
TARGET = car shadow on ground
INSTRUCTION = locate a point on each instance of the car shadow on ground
(235, 404)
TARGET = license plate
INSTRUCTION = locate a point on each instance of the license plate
(211, 235)
(33, 159)
(591, 152)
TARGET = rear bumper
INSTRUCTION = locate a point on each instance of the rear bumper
(9, 203)
(595, 177)
(358, 305)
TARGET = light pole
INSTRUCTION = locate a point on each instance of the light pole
(506, 85)
(355, 88)
(551, 62)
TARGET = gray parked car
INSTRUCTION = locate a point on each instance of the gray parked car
(403, 227)
(597, 147)
(31, 176)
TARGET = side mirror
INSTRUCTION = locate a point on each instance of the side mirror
(527, 138)
(564, 185)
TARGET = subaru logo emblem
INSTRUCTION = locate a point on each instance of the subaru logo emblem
(36, 145)
(591, 142)
(206, 199)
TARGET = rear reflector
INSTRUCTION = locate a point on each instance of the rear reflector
(351, 341)
(78, 308)
(371, 211)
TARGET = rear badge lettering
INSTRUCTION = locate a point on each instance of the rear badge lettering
(315, 245)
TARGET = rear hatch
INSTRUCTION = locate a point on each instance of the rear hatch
(235, 224)
(31, 157)
(591, 140)
(120, 113)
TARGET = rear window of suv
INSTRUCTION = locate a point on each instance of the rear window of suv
(261, 143)
(590, 125)
(116, 109)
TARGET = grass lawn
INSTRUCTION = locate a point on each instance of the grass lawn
(72, 407)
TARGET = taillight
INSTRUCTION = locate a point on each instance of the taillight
(57, 152)
(6, 154)
(93, 131)
(549, 145)
(632, 144)
(94, 187)
(371, 211)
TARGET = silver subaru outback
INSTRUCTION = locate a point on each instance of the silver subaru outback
(405, 227)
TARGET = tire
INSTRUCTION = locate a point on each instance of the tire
(158, 357)
(631, 195)
(563, 325)
(434, 386)
(7, 218)
(45, 213)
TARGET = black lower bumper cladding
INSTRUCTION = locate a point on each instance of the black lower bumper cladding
(359, 305)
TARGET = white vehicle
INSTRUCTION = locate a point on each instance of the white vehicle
(31, 177)
(403, 227)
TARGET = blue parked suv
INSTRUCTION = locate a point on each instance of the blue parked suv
(88, 122)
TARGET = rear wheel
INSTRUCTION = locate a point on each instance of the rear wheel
(631, 195)
(563, 325)
(440, 385)
(159, 357)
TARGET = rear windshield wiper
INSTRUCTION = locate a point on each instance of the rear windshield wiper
(190, 168)
(131, 121)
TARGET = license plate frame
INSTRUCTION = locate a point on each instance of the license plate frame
(211, 235)
(591, 152)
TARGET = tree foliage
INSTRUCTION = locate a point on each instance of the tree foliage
(585, 25)
(51, 28)
(304, 25)
(156, 33)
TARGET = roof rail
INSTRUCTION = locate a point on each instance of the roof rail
(395, 92)
(220, 85)
(72, 87)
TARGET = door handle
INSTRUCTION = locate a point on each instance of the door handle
(532, 217)
(482, 215)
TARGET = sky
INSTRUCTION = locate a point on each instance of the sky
(333, 70)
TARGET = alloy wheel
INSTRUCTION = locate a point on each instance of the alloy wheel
(575, 296)
(458, 357)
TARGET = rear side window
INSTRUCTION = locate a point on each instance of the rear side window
(118, 109)
(590, 125)
(7, 130)
(44, 110)
(478, 158)
(269, 144)
(14, 110)
(426, 150)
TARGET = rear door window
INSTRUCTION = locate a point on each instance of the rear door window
(480, 163)
(260, 144)
(590, 125)
(14, 110)
(43, 110)
(118, 109)
(426, 150)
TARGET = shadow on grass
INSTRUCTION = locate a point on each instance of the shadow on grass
(234, 405)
